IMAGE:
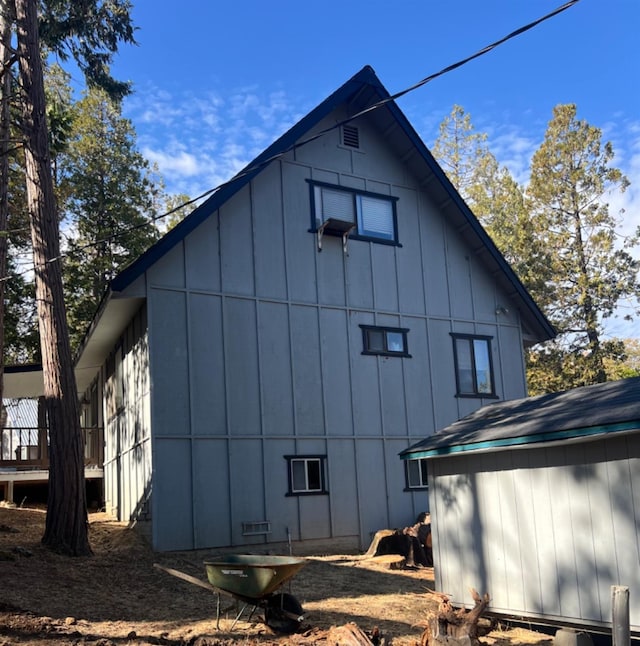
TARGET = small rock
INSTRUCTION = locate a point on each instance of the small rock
(9, 530)
(22, 551)
(70, 621)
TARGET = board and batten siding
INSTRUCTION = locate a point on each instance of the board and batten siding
(545, 531)
(256, 353)
(127, 433)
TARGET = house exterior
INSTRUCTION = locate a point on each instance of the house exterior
(537, 501)
(261, 367)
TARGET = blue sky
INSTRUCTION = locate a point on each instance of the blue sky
(216, 82)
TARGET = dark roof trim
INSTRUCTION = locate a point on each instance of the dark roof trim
(553, 436)
(19, 369)
(365, 77)
(473, 221)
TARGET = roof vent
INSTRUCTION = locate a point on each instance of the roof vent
(350, 136)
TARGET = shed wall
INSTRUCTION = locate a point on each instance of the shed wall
(546, 531)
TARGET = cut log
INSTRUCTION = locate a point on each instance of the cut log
(379, 535)
(349, 635)
(454, 627)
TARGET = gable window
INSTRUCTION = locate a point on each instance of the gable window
(306, 474)
(387, 341)
(416, 474)
(474, 367)
(366, 216)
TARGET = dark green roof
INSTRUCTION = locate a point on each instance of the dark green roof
(581, 412)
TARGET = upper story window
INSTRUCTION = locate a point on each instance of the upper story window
(474, 366)
(372, 216)
(306, 474)
(387, 341)
(416, 474)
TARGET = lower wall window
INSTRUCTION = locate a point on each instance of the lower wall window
(387, 341)
(474, 366)
(416, 474)
(306, 474)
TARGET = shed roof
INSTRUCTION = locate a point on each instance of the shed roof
(589, 411)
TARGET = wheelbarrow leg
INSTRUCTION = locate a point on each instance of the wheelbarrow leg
(218, 610)
(235, 621)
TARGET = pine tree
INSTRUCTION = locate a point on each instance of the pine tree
(89, 31)
(589, 272)
(111, 199)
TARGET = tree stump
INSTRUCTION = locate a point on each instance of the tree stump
(452, 627)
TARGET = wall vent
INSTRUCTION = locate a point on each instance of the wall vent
(350, 136)
(256, 528)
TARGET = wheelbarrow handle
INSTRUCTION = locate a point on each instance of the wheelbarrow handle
(186, 577)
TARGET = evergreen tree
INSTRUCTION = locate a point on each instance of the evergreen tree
(461, 151)
(588, 271)
(111, 198)
(90, 31)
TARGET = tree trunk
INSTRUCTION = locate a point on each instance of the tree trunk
(66, 528)
(5, 94)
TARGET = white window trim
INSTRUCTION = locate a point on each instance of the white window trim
(356, 215)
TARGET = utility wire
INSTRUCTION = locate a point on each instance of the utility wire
(256, 167)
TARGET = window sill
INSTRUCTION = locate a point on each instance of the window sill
(477, 396)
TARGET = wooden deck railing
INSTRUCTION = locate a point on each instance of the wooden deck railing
(27, 448)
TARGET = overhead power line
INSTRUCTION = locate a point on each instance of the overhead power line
(256, 167)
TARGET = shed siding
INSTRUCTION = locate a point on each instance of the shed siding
(553, 528)
(257, 353)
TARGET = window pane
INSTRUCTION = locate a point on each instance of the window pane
(465, 371)
(483, 366)
(413, 472)
(423, 473)
(298, 475)
(313, 471)
(375, 217)
(338, 205)
(395, 342)
(375, 340)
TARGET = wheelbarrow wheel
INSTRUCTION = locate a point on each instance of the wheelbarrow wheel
(283, 613)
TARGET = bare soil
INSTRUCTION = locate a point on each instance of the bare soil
(117, 597)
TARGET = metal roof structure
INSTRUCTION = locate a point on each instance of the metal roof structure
(589, 411)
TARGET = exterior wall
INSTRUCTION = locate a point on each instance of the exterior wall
(546, 531)
(257, 354)
(126, 408)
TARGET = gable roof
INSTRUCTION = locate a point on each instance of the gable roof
(359, 93)
(589, 411)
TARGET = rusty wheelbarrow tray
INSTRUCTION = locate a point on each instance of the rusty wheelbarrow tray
(253, 579)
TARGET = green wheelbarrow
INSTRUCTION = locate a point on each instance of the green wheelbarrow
(253, 580)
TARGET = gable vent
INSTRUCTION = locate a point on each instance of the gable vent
(350, 136)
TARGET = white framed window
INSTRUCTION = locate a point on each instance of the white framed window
(416, 474)
(373, 216)
(306, 474)
(474, 366)
(386, 341)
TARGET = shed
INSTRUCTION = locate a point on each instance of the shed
(537, 501)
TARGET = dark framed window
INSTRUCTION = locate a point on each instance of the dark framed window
(474, 365)
(387, 341)
(415, 472)
(306, 474)
(372, 215)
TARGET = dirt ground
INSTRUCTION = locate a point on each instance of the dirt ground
(117, 596)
